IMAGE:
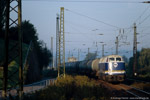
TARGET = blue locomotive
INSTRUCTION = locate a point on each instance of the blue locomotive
(109, 68)
(112, 68)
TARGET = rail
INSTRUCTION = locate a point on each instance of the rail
(137, 80)
(139, 94)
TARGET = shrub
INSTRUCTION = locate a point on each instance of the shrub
(71, 88)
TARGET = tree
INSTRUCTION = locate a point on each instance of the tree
(129, 68)
(2, 10)
(125, 58)
(90, 56)
(30, 34)
(144, 61)
(144, 58)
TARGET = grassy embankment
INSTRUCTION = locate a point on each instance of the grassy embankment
(72, 88)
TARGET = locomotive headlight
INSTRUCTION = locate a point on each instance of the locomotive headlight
(115, 64)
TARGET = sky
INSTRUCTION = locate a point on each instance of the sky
(85, 20)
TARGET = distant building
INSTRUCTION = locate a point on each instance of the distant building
(72, 59)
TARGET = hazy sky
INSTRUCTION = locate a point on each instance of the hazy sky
(84, 21)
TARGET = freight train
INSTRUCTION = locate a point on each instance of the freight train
(109, 68)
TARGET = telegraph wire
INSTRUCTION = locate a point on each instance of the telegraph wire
(142, 13)
(92, 18)
(139, 18)
(144, 19)
(73, 27)
(88, 1)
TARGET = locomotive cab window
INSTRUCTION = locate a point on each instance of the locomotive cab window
(118, 59)
(111, 59)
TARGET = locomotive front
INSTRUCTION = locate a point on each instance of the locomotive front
(114, 69)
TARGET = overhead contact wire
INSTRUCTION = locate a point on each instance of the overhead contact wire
(92, 18)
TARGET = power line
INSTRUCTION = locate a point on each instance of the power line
(144, 19)
(139, 18)
(92, 18)
(96, 1)
(142, 13)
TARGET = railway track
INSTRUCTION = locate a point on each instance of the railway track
(136, 93)
(123, 91)
(137, 80)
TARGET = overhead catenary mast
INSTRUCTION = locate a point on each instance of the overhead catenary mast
(117, 42)
(61, 44)
(135, 52)
(11, 53)
(52, 52)
(57, 40)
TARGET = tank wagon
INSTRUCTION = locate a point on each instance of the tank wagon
(109, 68)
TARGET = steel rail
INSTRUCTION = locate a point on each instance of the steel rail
(139, 90)
(137, 80)
(134, 94)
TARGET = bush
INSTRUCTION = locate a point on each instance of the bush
(71, 88)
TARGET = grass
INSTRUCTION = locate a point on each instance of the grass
(71, 88)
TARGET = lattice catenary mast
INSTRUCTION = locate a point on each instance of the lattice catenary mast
(11, 53)
(61, 44)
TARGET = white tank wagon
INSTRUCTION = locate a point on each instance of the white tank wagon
(109, 68)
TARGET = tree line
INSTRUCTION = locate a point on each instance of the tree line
(29, 34)
(143, 64)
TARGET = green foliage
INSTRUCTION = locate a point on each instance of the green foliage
(2, 6)
(143, 64)
(13, 65)
(90, 56)
(1, 52)
(30, 34)
(71, 88)
(49, 73)
(129, 68)
(144, 59)
(125, 59)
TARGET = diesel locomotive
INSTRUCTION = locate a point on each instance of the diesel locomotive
(109, 68)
